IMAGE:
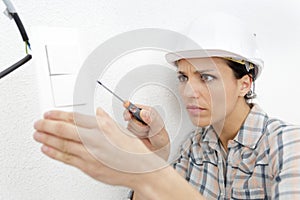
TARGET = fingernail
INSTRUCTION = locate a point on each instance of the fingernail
(47, 114)
(126, 104)
(127, 115)
(145, 114)
(100, 111)
(35, 124)
(36, 135)
(45, 148)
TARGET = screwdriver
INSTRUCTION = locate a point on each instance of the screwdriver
(133, 109)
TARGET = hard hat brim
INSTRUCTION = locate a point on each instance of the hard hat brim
(173, 57)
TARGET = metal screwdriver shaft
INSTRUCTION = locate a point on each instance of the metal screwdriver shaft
(133, 109)
(111, 92)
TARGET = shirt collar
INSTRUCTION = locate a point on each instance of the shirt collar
(253, 128)
(249, 134)
(210, 136)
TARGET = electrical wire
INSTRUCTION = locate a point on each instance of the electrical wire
(11, 13)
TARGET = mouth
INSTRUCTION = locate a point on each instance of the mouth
(195, 110)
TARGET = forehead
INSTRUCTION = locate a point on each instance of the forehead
(202, 64)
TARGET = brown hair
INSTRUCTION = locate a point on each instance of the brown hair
(240, 70)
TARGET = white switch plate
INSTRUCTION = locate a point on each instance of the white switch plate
(56, 51)
(63, 58)
(62, 90)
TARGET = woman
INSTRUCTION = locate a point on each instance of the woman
(236, 152)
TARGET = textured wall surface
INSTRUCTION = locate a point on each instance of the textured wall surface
(28, 175)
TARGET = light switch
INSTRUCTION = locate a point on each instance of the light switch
(63, 90)
(63, 58)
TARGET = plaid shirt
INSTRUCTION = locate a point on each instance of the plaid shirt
(262, 161)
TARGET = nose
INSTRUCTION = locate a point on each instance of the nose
(192, 89)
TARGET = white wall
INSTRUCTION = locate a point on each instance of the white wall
(26, 174)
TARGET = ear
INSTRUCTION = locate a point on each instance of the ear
(245, 84)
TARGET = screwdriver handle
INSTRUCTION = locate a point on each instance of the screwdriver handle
(136, 112)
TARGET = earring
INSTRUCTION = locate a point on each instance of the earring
(250, 94)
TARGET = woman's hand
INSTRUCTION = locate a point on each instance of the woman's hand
(154, 134)
(97, 145)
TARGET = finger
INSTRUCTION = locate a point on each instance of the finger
(110, 128)
(127, 115)
(59, 115)
(85, 121)
(145, 115)
(153, 119)
(140, 132)
(116, 135)
(107, 125)
(127, 103)
(63, 145)
(63, 157)
(136, 127)
(105, 122)
(58, 128)
(101, 113)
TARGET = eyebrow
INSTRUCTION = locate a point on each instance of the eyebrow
(198, 71)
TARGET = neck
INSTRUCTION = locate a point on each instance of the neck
(229, 128)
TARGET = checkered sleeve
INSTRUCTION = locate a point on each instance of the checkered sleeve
(285, 162)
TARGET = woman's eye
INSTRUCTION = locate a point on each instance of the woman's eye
(182, 78)
(207, 77)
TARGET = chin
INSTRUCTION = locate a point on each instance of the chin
(200, 122)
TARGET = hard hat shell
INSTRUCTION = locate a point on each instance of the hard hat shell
(219, 35)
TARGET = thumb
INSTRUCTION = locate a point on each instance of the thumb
(153, 119)
(126, 104)
(145, 115)
(100, 112)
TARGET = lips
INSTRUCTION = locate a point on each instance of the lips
(194, 109)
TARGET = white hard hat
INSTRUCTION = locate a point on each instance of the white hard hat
(220, 35)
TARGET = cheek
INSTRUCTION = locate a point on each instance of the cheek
(218, 100)
(224, 90)
(181, 91)
(232, 92)
(223, 99)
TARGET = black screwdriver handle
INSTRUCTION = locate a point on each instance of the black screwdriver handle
(136, 112)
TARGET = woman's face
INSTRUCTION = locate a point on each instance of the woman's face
(208, 88)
